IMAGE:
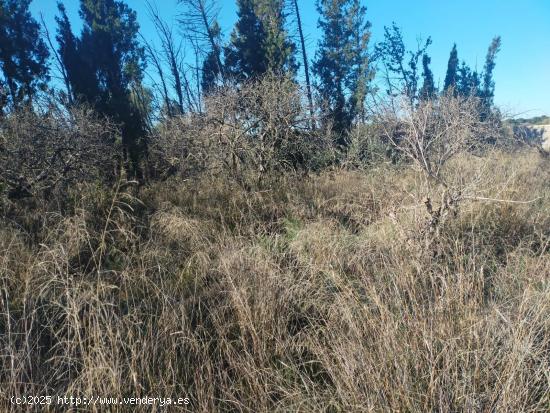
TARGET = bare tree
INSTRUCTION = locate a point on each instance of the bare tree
(199, 20)
(431, 133)
(58, 61)
(196, 75)
(305, 60)
(173, 54)
(531, 136)
(152, 56)
(246, 132)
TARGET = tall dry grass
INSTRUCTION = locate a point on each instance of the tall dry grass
(320, 294)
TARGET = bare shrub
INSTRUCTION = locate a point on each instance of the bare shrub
(249, 132)
(182, 145)
(43, 153)
(368, 147)
(434, 131)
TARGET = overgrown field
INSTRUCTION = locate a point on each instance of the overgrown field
(335, 292)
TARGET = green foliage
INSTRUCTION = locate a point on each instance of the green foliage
(467, 81)
(400, 65)
(488, 91)
(428, 90)
(23, 54)
(104, 64)
(279, 49)
(259, 42)
(362, 74)
(81, 79)
(452, 70)
(341, 63)
(245, 55)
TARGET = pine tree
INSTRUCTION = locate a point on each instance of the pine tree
(104, 65)
(341, 64)
(428, 89)
(23, 54)
(452, 68)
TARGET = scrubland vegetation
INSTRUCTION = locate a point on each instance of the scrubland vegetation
(363, 242)
(361, 284)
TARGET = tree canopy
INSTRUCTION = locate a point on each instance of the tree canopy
(23, 54)
(104, 64)
(341, 64)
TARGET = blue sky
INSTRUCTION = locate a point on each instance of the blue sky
(522, 73)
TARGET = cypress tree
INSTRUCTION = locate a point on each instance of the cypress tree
(23, 54)
(259, 42)
(245, 56)
(280, 51)
(82, 82)
(428, 89)
(104, 65)
(452, 68)
(361, 72)
(341, 64)
(488, 90)
(467, 82)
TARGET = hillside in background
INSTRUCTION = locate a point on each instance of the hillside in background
(537, 120)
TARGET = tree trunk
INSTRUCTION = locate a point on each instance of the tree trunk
(306, 64)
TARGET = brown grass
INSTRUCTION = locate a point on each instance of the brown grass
(319, 294)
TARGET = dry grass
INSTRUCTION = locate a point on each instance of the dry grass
(319, 294)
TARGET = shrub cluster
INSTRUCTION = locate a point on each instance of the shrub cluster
(232, 278)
